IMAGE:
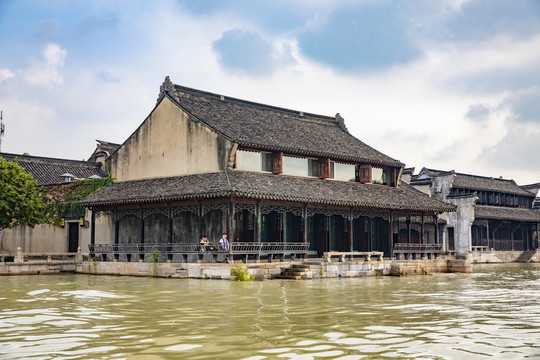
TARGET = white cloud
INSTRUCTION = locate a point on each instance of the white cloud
(46, 72)
(5, 74)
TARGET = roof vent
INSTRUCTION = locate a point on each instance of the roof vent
(67, 177)
(95, 177)
(222, 97)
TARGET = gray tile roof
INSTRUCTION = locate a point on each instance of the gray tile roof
(276, 129)
(48, 171)
(106, 146)
(266, 187)
(473, 182)
(506, 213)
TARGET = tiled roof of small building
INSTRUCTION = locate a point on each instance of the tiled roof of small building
(48, 171)
(109, 147)
(506, 213)
(473, 182)
(266, 187)
(275, 129)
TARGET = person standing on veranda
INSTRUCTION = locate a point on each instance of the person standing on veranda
(224, 243)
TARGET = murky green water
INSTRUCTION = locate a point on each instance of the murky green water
(493, 313)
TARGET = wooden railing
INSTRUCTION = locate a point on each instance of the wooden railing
(411, 251)
(244, 250)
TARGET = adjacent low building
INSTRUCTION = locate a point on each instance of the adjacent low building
(492, 213)
(208, 163)
(51, 173)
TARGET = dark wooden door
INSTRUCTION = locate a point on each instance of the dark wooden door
(73, 240)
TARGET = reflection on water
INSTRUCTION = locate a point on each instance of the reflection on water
(493, 313)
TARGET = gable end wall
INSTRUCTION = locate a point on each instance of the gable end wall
(170, 143)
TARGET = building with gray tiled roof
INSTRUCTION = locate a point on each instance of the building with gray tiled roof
(51, 174)
(49, 171)
(493, 213)
(207, 163)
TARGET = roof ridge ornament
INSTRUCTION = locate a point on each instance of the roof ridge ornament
(341, 123)
(166, 88)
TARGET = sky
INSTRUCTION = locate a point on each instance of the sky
(449, 84)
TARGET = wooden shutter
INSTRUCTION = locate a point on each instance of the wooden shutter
(324, 168)
(277, 162)
(365, 173)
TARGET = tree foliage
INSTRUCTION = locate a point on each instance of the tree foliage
(21, 201)
(62, 199)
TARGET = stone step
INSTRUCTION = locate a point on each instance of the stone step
(306, 267)
(289, 277)
(526, 256)
(293, 273)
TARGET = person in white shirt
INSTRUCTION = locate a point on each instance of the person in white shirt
(224, 243)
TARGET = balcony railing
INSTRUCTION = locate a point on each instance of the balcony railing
(244, 250)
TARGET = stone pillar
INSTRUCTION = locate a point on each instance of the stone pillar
(19, 258)
(79, 257)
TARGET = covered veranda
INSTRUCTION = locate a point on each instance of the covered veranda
(333, 218)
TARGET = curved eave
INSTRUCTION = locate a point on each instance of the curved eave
(143, 200)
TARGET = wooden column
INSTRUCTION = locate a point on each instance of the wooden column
(305, 220)
(116, 227)
(408, 222)
(230, 228)
(170, 225)
(422, 228)
(142, 226)
(487, 233)
(257, 226)
(284, 226)
(537, 235)
(200, 220)
(351, 235)
(391, 236)
(370, 233)
(437, 239)
(93, 228)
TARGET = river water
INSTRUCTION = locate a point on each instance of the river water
(493, 313)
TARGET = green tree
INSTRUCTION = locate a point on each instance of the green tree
(21, 202)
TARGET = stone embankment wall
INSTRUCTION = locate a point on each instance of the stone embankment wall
(490, 257)
(271, 270)
(178, 270)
